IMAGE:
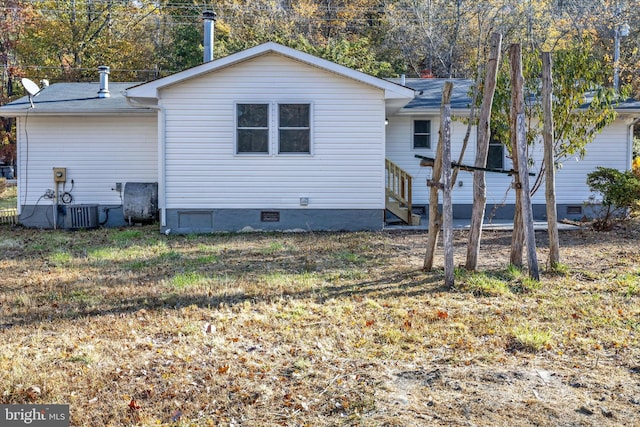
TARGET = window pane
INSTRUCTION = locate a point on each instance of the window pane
(422, 126)
(253, 115)
(253, 141)
(294, 141)
(421, 141)
(422, 134)
(496, 156)
(294, 115)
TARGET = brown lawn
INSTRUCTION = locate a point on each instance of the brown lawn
(131, 327)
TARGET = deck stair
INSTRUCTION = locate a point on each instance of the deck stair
(398, 193)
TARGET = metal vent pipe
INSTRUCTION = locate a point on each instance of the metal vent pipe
(209, 24)
(104, 82)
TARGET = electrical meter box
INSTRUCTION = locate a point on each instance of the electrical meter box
(59, 174)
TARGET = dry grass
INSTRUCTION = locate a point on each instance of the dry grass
(131, 327)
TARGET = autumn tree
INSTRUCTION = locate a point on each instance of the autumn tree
(582, 106)
(71, 38)
(14, 16)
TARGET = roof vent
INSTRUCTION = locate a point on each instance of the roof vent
(104, 82)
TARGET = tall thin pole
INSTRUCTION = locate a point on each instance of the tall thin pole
(616, 58)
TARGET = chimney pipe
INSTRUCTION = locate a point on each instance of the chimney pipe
(209, 24)
(104, 82)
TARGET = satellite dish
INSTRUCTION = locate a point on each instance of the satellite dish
(32, 88)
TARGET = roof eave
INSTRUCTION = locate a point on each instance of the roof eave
(110, 112)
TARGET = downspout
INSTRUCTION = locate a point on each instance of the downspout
(162, 195)
(633, 124)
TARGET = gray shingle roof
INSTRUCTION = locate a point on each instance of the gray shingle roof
(74, 98)
(429, 93)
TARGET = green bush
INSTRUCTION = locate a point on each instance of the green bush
(620, 193)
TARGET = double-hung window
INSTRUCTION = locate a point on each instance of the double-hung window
(495, 158)
(421, 134)
(294, 130)
(289, 133)
(252, 128)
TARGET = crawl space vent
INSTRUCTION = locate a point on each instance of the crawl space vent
(270, 216)
(574, 210)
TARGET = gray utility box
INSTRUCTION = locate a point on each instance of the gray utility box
(140, 202)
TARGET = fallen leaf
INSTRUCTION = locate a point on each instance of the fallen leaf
(133, 405)
(33, 392)
(442, 315)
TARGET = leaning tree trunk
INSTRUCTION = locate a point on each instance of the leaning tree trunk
(435, 218)
(447, 208)
(517, 106)
(482, 151)
(550, 176)
(526, 210)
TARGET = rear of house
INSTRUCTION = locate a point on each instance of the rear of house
(269, 138)
(266, 139)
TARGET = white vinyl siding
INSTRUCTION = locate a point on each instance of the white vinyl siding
(97, 152)
(609, 149)
(345, 170)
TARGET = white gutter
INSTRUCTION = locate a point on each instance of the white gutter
(162, 196)
(633, 124)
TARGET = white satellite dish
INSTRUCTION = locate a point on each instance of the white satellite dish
(32, 88)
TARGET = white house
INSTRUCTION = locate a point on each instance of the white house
(266, 139)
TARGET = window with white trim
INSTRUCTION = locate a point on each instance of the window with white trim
(252, 121)
(294, 130)
(421, 134)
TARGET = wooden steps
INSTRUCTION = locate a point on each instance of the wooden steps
(398, 193)
(403, 213)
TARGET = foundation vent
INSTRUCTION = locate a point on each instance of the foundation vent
(574, 210)
(270, 216)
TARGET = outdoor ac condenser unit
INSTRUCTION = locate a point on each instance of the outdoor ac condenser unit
(80, 217)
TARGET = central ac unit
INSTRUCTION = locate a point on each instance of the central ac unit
(80, 217)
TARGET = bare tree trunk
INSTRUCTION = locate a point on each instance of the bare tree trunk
(550, 178)
(517, 106)
(447, 209)
(482, 151)
(435, 218)
(467, 135)
(526, 211)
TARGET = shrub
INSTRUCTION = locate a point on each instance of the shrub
(620, 193)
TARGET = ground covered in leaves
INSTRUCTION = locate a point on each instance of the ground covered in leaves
(131, 327)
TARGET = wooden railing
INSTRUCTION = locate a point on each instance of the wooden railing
(398, 187)
(9, 216)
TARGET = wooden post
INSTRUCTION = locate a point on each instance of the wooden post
(447, 208)
(517, 107)
(482, 151)
(550, 175)
(526, 210)
(435, 218)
